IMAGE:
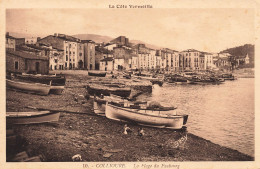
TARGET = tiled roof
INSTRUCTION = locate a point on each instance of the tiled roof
(87, 41)
(25, 55)
(107, 59)
(206, 53)
(37, 47)
(191, 50)
(11, 37)
(169, 50)
(25, 48)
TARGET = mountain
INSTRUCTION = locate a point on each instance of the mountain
(146, 44)
(94, 37)
(25, 35)
(243, 51)
(99, 39)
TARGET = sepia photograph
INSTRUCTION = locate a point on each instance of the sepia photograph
(129, 85)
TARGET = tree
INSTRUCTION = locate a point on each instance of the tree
(232, 61)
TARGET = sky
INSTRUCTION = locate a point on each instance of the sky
(209, 30)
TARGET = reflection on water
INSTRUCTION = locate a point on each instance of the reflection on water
(222, 113)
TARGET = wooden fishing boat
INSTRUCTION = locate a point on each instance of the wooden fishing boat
(210, 80)
(99, 103)
(57, 90)
(96, 73)
(176, 78)
(31, 117)
(155, 117)
(57, 80)
(228, 76)
(37, 88)
(95, 89)
(159, 82)
(99, 106)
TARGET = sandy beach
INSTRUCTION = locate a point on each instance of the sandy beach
(96, 138)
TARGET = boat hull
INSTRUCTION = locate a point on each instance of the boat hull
(106, 91)
(31, 117)
(147, 119)
(57, 90)
(98, 74)
(37, 88)
(45, 79)
(99, 107)
(159, 82)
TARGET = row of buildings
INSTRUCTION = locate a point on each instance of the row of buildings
(60, 51)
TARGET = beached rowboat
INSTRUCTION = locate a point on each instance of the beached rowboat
(98, 74)
(57, 90)
(95, 89)
(56, 80)
(31, 117)
(162, 117)
(99, 103)
(99, 106)
(37, 88)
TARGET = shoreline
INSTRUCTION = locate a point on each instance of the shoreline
(99, 139)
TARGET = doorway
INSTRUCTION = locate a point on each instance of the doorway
(37, 67)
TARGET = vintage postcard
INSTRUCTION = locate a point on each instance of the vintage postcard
(129, 84)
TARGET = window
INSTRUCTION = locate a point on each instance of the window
(66, 58)
(16, 65)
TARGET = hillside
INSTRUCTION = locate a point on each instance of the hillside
(242, 51)
(99, 39)
(94, 37)
(146, 44)
(24, 35)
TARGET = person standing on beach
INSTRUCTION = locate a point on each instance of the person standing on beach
(141, 132)
(126, 129)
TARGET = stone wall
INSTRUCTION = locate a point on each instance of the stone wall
(10, 64)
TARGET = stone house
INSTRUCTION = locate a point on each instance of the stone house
(171, 58)
(89, 54)
(101, 53)
(122, 56)
(107, 64)
(73, 56)
(207, 61)
(190, 58)
(121, 40)
(21, 62)
(32, 40)
(12, 42)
